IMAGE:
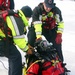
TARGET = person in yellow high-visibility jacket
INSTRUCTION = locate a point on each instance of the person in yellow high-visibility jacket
(12, 33)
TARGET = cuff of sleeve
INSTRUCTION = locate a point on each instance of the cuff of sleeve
(38, 36)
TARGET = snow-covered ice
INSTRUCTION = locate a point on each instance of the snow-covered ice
(68, 45)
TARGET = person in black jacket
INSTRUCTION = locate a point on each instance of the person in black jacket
(47, 21)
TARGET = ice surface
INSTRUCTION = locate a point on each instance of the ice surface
(68, 46)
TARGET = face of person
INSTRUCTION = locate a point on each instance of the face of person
(47, 9)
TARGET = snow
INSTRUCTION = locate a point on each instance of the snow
(68, 45)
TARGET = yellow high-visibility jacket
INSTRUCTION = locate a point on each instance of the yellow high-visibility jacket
(17, 29)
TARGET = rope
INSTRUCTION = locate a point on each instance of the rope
(3, 65)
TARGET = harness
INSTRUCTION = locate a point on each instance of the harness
(48, 20)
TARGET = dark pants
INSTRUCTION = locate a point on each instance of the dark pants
(15, 61)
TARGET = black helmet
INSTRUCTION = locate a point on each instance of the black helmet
(27, 11)
(43, 46)
(49, 3)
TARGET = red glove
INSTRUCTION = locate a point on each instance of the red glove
(58, 38)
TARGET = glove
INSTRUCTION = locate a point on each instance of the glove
(58, 38)
(31, 48)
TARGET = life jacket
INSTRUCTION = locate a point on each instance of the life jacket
(53, 67)
(5, 34)
(16, 21)
(6, 31)
(48, 20)
(4, 4)
(3, 25)
(47, 63)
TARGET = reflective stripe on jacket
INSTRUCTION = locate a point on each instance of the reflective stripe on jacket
(38, 28)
